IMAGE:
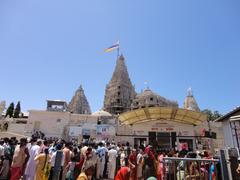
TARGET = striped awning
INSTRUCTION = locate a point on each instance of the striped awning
(235, 118)
(162, 113)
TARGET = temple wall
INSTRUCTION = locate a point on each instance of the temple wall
(50, 123)
(17, 128)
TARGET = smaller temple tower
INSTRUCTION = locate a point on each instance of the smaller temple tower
(190, 103)
(79, 103)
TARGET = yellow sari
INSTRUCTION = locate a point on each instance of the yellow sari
(42, 167)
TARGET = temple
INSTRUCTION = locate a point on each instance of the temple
(79, 103)
(190, 103)
(119, 92)
(139, 118)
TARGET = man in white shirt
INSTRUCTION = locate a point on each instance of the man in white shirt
(33, 150)
(112, 156)
(140, 164)
(101, 152)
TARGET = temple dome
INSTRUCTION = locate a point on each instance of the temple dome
(150, 99)
(101, 113)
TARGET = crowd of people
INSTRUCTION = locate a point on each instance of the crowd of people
(49, 160)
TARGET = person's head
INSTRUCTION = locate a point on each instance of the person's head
(1, 142)
(150, 147)
(13, 138)
(11, 142)
(205, 154)
(67, 145)
(95, 146)
(46, 151)
(134, 151)
(6, 140)
(23, 141)
(170, 154)
(75, 150)
(58, 147)
(45, 143)
(39, 142)
(151, 178)
(33, 140)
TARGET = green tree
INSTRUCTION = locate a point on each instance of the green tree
(17, 110)
(10, 110)
(212, 115)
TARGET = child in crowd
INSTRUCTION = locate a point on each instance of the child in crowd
(70, 169)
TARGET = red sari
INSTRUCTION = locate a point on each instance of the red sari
(122, 174)
(16, 173)
(133, 159)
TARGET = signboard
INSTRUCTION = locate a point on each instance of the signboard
(75, 131)
(86, 132)
(169, 129)
(105, 130)
(154, 129)
(139, 132)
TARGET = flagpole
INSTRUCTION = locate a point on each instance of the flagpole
(118, 51)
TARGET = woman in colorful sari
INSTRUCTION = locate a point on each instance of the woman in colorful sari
(132, 161)
(42, 165)
(159, 166)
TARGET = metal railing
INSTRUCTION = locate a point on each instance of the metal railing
(191, 169)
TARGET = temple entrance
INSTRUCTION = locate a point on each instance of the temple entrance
(140, 142)
(162, 140)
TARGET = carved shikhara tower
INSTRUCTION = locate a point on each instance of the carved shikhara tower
(119, 92)
(79, 103)
(190, 102)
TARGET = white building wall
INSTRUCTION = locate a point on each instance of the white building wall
(51, 123)
(59, 124)
(228, 139)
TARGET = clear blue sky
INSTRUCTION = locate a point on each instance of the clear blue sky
(48, 48)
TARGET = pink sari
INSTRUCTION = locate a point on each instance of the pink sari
(160, 168)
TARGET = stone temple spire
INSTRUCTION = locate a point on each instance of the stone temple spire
(190, 103)
(79, 103)
(119, 92)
